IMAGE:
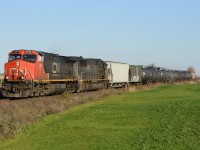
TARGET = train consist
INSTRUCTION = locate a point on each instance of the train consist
(30, 73)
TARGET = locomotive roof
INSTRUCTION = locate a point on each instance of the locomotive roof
(69, 57)
(73, 58)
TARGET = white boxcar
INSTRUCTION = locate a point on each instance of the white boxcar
(118, 73)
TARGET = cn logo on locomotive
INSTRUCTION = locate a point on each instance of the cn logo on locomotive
(55, 67)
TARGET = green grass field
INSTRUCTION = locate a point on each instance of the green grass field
(167, 117)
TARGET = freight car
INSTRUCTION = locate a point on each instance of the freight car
(153, 74)
(123, 74)
(30, 73)
(118, 74)
(135, 74)
(156, 74)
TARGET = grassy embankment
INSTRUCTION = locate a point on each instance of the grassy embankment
(166, 117)
(15, 115)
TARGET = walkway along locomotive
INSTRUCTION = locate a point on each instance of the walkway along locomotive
(30, 73)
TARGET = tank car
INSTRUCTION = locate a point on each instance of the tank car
(188, 75)
(31, 73)
(155, 74)
(152, 74)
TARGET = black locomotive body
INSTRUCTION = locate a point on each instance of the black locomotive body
(77, 73)
(62, 67)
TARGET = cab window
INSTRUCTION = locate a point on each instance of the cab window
(30, 57)
(14, 57)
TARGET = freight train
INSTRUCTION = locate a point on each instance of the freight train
(30, 73)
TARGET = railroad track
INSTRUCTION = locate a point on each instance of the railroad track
(3, 101)
(6, 100)
(1, 97)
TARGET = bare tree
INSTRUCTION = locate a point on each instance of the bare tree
(191, 69)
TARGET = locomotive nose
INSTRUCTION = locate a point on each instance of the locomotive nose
(14, 71)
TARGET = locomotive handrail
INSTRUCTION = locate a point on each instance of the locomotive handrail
(30, 75)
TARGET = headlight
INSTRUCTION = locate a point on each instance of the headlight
(7, 78)
(17, 63)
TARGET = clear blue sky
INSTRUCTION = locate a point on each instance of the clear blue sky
(163, 32)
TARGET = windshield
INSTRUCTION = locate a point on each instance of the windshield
(29, 57)
(14, 57)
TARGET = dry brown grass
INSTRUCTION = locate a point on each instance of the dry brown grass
(143, 87)
(15, 115)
